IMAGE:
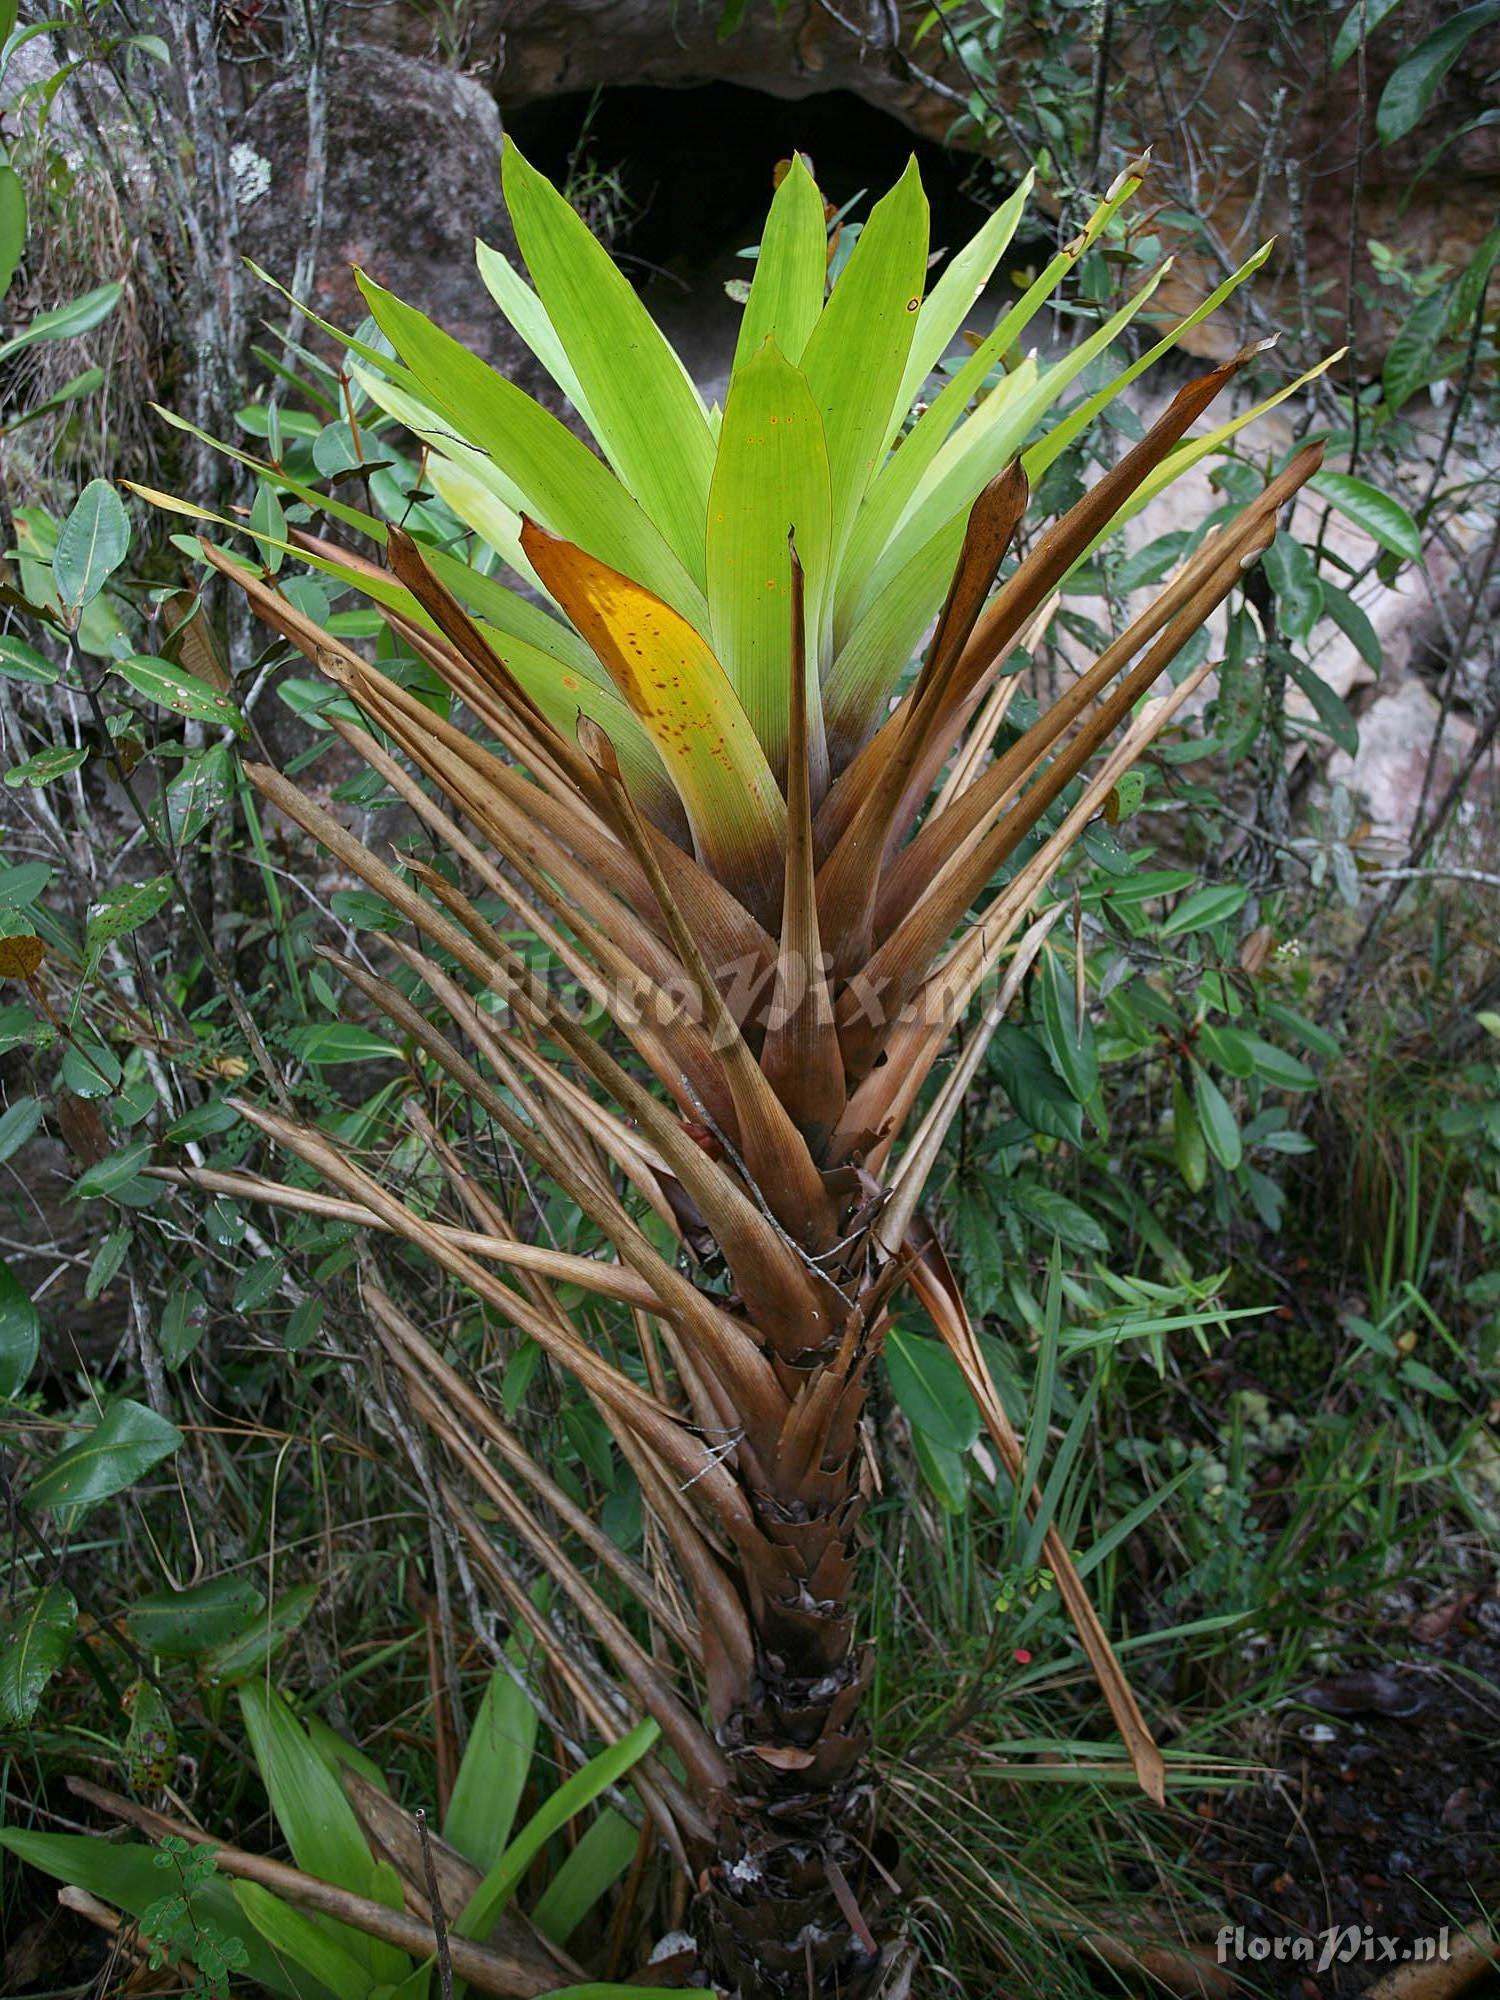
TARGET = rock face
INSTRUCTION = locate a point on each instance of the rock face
(1268, 140)
(530, 49)
(1227, 114)
(413, 177)
(1207, 99)
(1396, 739)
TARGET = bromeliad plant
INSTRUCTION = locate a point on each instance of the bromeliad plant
(699, 775)
(353, 1919)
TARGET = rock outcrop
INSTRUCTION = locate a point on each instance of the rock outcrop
(412, 178)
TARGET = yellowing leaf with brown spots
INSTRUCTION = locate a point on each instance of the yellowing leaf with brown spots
(682, 698)
(20, 956)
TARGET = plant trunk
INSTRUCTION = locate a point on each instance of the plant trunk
(797, 1901)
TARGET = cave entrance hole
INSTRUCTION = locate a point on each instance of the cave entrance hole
(678, 182)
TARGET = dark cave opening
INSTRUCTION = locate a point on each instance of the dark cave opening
(678, 182)
(694, 166)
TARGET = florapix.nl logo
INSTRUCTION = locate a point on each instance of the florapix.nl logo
(1340, 1944)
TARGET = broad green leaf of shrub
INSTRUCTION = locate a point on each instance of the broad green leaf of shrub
(1383, 519)
(1293, 576)
(1053, 1213)
(12, 224)
(946, 1472)
(1357, 26)
(1070, 1045)
(1408, 359)
(1205, 907)
(114, 1172)
(20, 1326)
(181, 1624)
(36, 1637)
(326, 1043)
(18, 1125)
(20, 662)
(62, 322)
(1354, 622)
(1329, 707)
(1188, 1143)
(45, 768)
(91, 544)
(175, 688)
(125, 910)
(121, 1448)
(1037, 1093)
(926, 1382)
(1220, 1128)
(247, 1651)
(23, 883)
(1413, 85)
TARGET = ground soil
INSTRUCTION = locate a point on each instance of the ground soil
(1382, 1809)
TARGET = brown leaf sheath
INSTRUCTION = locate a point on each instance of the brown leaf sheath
(898, 967)
(780, 1165)
(785, 1300)
(1044, 567)
(916, 866)
(848, 880)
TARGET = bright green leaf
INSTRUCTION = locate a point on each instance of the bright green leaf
(648, 416)
(1407, 96)
(856, 356)
(492, 1774)
(770, 475)
(786, 292)
(1383, 519)
(91, 544)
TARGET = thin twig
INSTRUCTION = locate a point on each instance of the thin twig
(439, 1918)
